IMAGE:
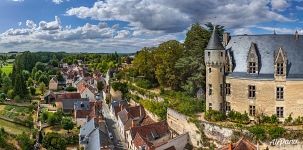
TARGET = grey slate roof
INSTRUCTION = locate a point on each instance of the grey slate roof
(267, 45)
(214, 42)
(68, 104)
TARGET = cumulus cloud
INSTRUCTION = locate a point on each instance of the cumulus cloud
(51, 36)
(30, 24)
(171, 16)
(279, 5)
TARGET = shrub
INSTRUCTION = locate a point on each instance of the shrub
(213, 115)
(276, 132)
(288, 120)
(146, 84)
(237, 117)
(259, 132)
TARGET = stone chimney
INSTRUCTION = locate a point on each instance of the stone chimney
(226, 38)
(296, 35)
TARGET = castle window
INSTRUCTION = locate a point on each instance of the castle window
(221, 54)
(210, 89)
(280, 93)
(280, 112)
(252, 67)
(209, 70)
(227, 88)
(220, 69)
(251, 91)
(210, 106)
(252, 110)
(280, 70)
(208, 54)
(227, 106)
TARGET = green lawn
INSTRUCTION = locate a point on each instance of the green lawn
(13, 128)
(7, 69)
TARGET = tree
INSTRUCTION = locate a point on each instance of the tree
(25, 142)
(53, 141)
(191, 64)
(144, 64)
(67, 124)
(219, 28)
(165, 57)
(42, 87)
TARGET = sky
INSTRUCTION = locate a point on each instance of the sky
(126, 26)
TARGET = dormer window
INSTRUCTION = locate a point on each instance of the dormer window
(280, 63)
(252, 67)
(253, 60)
(280, 70)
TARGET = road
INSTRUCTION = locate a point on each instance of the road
(113, 128)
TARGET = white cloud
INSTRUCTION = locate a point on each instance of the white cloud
(53, 25)
(279, 5)
(30, 24)
(242, 31)
(122, 34)
(172, 16)
(59, 1)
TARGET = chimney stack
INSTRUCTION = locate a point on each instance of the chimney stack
(226, 38)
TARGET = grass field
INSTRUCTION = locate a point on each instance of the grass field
(13, 128)
(7, 69)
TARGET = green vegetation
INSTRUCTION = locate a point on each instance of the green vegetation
(157, 108)
(262, 132)
(237, 117)
(7, 69)
(13, 128)
(20, 115)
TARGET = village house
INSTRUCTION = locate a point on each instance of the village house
(87, 91)
(155, 136)
(85, 110)
(257, 74)
(117, 106)
(131, 116)
(94, 136)
(53, 84)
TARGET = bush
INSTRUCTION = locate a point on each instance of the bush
(237, 117)
(259, 132)
(288, 120)
(32, 90)
(276, 132)
(143, 83)
(213, 115)
(269, 119)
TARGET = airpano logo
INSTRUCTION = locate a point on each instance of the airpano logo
(282, 141)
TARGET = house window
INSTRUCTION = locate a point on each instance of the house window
(209, 70)
(228, 68)
(252, 67)
(251, 91)
(227, 106)
(280, 112)
(227, 88)
(220, 69)
(252, 110)
(210, 106)
(280, 93)
(208, 53)
(280, 70)
(221, 54)
(210, 89)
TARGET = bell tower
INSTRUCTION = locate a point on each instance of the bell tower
(214, 57)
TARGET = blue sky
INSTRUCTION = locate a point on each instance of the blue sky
(129, 25)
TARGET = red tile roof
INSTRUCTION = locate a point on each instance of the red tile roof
(62, 96)
(242, 144)
(144, 135)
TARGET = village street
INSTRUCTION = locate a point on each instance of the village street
(113, 128)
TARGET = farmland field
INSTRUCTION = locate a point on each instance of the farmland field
(7, 69)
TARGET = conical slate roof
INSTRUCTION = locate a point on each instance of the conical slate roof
(214, 42)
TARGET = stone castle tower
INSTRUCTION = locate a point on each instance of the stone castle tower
(215, 61)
